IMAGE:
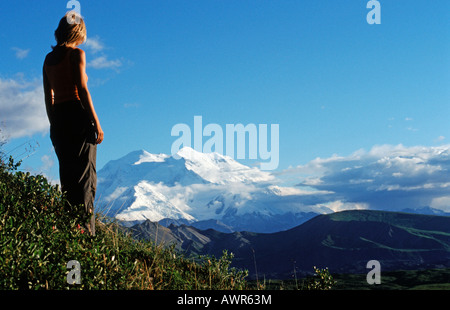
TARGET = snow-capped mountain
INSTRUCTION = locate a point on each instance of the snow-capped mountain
(208, 190)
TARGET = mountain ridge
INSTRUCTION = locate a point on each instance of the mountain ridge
(198, 188)
(210, 190)
(342, 241)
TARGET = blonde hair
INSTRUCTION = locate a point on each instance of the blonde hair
(71, 29)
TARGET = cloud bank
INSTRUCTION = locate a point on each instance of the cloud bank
(22, 108)
(386, 178)
(21, 53)
(96, 46)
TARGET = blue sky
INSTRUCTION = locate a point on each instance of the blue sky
(333, 83)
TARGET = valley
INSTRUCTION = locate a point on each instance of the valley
(343, 242)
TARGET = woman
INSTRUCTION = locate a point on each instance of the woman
(75, 129)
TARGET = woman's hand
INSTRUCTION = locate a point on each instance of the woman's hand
(99, 133)
(79, 63)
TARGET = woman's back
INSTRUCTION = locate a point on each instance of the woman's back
(59, 68)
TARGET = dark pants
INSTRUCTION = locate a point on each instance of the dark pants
(73, 137)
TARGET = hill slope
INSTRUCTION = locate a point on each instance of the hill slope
(343, 242)
(40, 234)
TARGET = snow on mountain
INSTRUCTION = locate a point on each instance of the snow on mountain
(220, 169)
(199, 187)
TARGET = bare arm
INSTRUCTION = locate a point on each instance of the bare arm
(48, 93)
(79, 59)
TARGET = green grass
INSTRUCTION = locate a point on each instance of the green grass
(40, 234)
(427, 279)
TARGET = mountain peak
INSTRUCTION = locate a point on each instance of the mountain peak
(146, 157)
(220, 169)
(190, 154)
(195, 187)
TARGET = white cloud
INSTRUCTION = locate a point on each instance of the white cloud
(441, 203)
(21, 53)
(412, 129)
(47, 162)
(131, 105)
(22, 108)
(102, 62)
(339, 205)
(94, 44)
(386, 177)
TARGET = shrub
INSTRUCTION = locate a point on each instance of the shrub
(322, 280)
(40, 233)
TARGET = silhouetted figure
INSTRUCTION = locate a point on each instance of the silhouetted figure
(75, 129)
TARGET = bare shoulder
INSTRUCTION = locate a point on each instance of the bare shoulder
(78, 55)
(78, 52)
(50, 58)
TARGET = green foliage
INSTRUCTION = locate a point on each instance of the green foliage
(40, 233)
(420, 279)
(322, 280)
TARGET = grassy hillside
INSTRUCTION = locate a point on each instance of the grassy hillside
(344, 242)
(429, 279)
(40, 234)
